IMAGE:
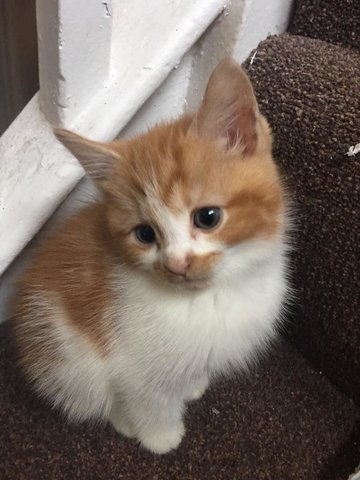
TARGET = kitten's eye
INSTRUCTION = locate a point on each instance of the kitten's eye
(145, 234)
(207, 217)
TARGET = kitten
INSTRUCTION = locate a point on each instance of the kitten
(176, 275)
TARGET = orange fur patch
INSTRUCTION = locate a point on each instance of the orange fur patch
(74, 270)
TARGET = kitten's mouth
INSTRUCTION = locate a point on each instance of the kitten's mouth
(186, 281)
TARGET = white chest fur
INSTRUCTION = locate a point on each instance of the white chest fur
(174, 337)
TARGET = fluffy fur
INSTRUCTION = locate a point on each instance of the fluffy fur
(108, 327)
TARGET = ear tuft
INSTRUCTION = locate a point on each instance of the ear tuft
(96, 158)
(229, 112)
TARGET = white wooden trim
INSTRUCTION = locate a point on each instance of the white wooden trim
(36, 174)
(142, 61)
(75, 40)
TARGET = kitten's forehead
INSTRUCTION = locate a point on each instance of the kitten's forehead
(172, 164)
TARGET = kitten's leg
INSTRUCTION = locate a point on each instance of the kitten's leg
(197, 390)
(120, 420)
(157, 421)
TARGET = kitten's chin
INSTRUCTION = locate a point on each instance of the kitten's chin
(187, 283)
(198, 284)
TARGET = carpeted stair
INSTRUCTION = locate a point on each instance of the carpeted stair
(297, 416)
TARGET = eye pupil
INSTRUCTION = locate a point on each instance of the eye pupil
(207, 217)
(145, 234)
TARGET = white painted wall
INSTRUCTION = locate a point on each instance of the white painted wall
(240, 28)
(99, 64)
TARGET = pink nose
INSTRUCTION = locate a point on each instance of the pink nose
(177, 267)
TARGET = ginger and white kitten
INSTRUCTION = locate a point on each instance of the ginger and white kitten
(176, 275)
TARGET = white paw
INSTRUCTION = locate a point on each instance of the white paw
(122, 426)
(197, 392)
(163, 441)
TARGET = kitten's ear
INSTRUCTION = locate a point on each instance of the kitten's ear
(229, 111)
(96, 158)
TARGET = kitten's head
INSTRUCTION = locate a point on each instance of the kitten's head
(195, 200)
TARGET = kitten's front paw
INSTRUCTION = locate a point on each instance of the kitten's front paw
(197, 392)
(162, 441)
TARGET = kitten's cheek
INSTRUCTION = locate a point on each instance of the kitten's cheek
(148, 258)
(204, 266)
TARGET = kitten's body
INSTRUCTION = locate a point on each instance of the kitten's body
(107, 329)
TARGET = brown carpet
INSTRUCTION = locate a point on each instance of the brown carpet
(335, 21)
(285, 421)
(310, 91)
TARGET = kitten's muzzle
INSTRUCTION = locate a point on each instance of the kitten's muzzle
(191, 270)
(184, 277)
(177, 267)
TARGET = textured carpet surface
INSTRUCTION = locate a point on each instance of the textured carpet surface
(286, 421)
(335, 21)
(310, 91)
